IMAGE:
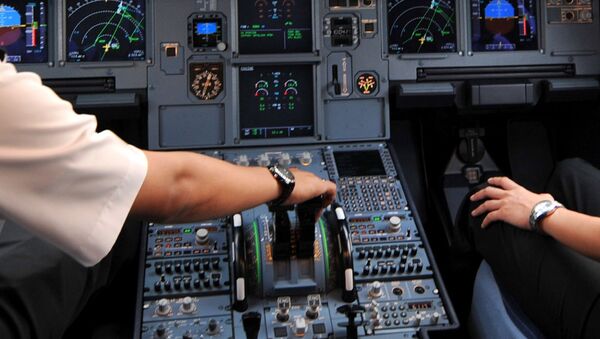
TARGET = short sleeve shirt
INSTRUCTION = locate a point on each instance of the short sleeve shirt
(59, 178)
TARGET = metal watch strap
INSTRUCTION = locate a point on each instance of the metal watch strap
(540, 211)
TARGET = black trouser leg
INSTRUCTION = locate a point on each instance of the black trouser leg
(42, 290)
(556, 287)
(576, 184)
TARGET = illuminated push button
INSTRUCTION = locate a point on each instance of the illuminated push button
(299, 327)
(163, 308)
(202, 236)
(285, 159)
(395, 224)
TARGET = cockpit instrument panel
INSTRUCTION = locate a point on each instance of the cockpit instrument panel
(504, 25)
(276, 101)
(280, 26)
(105, 30)
(421, 26)
(206, 32)
(24, 30)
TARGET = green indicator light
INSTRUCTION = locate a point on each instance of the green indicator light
(325, 250)
(376, 218)
(187, 230)
(257, 249)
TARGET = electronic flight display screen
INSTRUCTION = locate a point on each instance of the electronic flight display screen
(504, 25)
(275, 26)
(207, 32)
(24, 30)
(359, 163)
(421, 26)
(276, 101)
(105, 30)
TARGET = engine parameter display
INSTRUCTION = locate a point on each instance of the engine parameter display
(280, 26)
(504, 25)
(24, 30)
(421, 26)
(105, 30)
(276, 101)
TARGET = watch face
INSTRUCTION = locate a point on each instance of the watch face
(284, 173)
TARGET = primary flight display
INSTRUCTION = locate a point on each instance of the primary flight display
(24, 31)
(504, 25)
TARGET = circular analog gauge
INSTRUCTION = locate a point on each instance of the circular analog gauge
(207, 85)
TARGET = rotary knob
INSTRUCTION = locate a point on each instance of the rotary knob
(285, 159)
(435, 317)
(305, 158)
(187, 305)
(263, 160)
(243, 160)
(376, 290)
(160, 332)
(213, 327)
(395, 224)
(202, 236)
(163, 308)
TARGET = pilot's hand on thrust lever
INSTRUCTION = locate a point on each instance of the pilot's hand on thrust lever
(506, 201)
(309, 186)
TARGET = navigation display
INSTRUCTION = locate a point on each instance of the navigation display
(105, 30)
(275, 26)
(276, 101)
(24, 30)
(504, 25)
(421, 26)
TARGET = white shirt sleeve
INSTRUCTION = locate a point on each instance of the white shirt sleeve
(58, 177)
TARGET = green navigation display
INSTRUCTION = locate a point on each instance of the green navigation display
(421, 26)
(105, 30)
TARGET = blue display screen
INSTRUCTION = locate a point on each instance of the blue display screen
(504, 25)
(207, 32)
(204, 28)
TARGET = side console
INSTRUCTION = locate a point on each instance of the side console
(363, 269)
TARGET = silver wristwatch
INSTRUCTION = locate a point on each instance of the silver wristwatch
(540, 211)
